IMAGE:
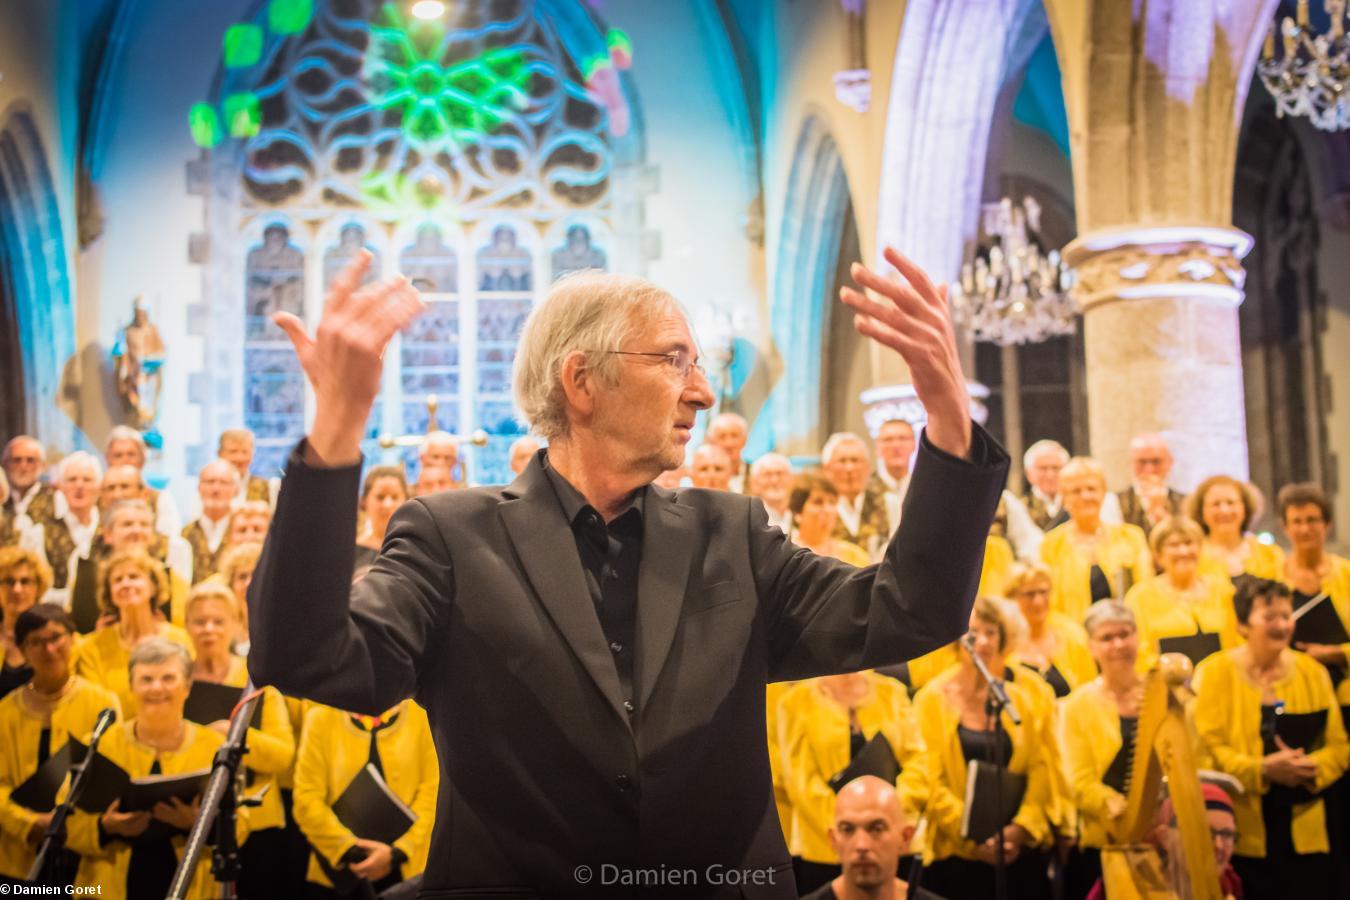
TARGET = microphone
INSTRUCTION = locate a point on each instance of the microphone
(105, 720)
(996, 686)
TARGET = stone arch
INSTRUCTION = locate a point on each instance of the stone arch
(36, 283)
(814, 220)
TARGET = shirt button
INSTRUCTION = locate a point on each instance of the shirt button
(628, 705)
(616, 646)
(624, 783)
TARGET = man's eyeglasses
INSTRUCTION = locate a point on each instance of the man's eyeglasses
(679, 361)
(1225, 835)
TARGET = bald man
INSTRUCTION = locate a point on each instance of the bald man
(871, 835)
(1148, 500)
(711, 468)
(432, 479)
(730, 432)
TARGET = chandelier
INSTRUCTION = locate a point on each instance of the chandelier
(1310, 75)
(1013, 292)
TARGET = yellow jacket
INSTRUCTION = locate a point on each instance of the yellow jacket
(106, 864)
(932, 664)
(813, 741)
(1160, 611)
(103, 660)
(938, 721)
(333, 751)
(1336, 585)
(1263, 560)
(1090, 738)
(1059, 812)
(1072, 657)
(1125, 547)
(998, 561)
(271, 751)
(20, 731)
(1228, 717)
(772, 694)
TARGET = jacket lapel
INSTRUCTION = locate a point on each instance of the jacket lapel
(548, 552)
(667, 549)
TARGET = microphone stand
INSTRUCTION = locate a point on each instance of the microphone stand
(219, 807)
(55, 838)
(993, 707)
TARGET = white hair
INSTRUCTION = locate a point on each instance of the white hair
(588, 312)
(82, 457)
(234, 473)
(841, 437)
(439, 437)
(9, 445)
(1040, 447)
(125, 433)
(759, 464)
(729, 418)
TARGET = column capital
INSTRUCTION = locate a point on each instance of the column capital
(900, 401)
(1158, 261)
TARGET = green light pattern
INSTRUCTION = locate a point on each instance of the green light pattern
(243, 46)
(459, 103)
(204, 124)
(243, 114)
(289, 16)
(593, 64)
(617, 40)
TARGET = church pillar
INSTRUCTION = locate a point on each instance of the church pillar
(1154, 92)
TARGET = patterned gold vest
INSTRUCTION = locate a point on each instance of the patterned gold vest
(874, 526)
(42, 508)
(1041, 516)
(204, 562)
(258, 489)
(59, 545)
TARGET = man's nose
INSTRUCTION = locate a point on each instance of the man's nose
(698, 392)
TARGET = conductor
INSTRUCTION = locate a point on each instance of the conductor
(592, 649)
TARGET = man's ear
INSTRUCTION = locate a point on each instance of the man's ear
(578, 383)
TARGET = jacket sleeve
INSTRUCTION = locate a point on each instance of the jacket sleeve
(369, 637)
(945, 805)
(826, 617)
(811, 797)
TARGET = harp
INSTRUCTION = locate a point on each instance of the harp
(1132, 868)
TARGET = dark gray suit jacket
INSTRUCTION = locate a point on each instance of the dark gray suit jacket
(479, 609)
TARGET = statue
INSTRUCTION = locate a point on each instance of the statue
(138, 357)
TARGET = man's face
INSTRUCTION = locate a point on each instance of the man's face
(440, 453)
(23, 464)
(1306, 526)
(125, 453)
(248, 527)
(1150, 461)
(711, 468)
(869, 839)
(238, 453)
(847, 468)
(771, 479)
(647, 417)
(895, 445)
(122, 483)
(131, 528)
(80, 485)
(1043, 473)
(216, 485)
(433, 479)
(730, 435)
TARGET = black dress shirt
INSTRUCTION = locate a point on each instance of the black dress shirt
(610, 557)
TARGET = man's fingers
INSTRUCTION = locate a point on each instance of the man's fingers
(911, 272)
(890, 315)
(387, 308)
(902, 296)
(295, 330)
(347, 281)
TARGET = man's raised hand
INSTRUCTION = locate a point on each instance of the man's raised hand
(911, 317)
(344, 359)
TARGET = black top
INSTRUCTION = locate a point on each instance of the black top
(1118, 773)
(978, 743)
(1053, 677)
(12, 677)
(152, 864)
(610, 557)
(1099, 584)
(826, 892)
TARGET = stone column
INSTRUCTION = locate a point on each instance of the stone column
(1154, 92)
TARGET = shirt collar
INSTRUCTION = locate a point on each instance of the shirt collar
(574, 503)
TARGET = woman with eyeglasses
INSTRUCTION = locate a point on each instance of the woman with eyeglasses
(24, 578)
(1055, 646)
(1267, 715)
(36, 722)
(1183, 601)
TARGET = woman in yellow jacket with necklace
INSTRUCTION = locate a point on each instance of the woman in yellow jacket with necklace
(1089, 559)
(36, 721)
(1225, 508)
(1243, 697)
(119, 858)
(822, 724)
(1055, 646)
(955, 727)
(334, 747)
(1183, 601)
(1097, 728)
